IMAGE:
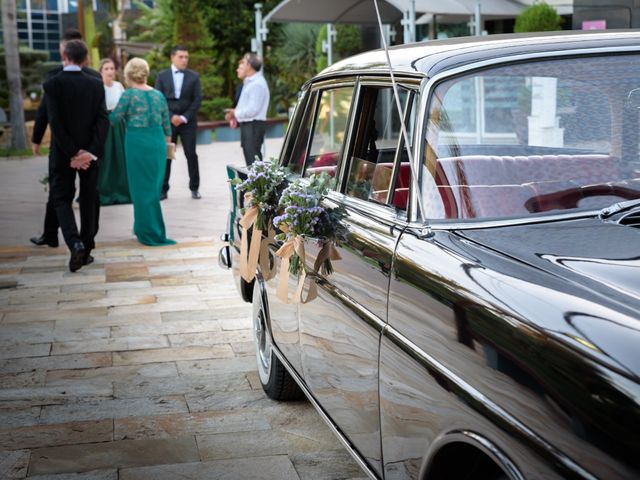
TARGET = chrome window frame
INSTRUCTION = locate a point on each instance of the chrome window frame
(318, 88)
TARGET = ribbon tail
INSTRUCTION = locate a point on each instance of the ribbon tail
(282, 291)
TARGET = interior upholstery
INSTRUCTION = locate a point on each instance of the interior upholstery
(489, 186)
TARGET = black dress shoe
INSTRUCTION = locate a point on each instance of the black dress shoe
(77, 257)
(195, 194)
(87, 260)
(42, 240)
(163, 196)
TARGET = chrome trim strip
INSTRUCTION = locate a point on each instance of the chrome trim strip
(369, 73)
(333, 427)
(346, 148)
(429, 86)
(386, 213)
(491, 408)
(439, 224)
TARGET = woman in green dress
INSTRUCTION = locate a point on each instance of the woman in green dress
(148, 130)
(112, 178)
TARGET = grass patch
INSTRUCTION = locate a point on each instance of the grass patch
(12, 152)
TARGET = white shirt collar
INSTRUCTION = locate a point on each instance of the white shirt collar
(72, 68)
(253, 77)
(175, 69)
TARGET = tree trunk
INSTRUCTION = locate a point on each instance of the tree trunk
(12, 58)
(90, 33)
(119, 35)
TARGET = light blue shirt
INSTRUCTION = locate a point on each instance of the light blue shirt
(254, 99)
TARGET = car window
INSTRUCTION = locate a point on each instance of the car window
(322, 151)
(543, 136)
(377, 144)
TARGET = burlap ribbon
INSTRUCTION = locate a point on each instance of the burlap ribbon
(258, 251)
(296, 245)
(267, 267)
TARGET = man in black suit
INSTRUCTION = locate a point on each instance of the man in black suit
(50, 234)
(181, 88)
(78, 118)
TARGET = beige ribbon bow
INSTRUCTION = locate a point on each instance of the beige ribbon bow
(249, 256)
(296, 245)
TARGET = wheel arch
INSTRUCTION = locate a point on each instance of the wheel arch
(445, 450)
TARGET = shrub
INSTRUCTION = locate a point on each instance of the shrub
(213, 109)
(539, 17)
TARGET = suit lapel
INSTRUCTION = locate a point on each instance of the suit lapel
(185, 83)
(172, 86)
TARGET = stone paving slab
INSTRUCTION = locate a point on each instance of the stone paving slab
(14, 464)
(166, 426)
(57, 362)
(181, 385)
(55, 435)
(263, 468)
(111, 474)
(108, 375)
(102, 408)
(126, 453)
(169, 354)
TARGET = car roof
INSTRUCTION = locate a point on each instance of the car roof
(427, 59)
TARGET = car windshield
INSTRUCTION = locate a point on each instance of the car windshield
(531, 138)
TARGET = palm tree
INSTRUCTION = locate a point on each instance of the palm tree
(12, 57)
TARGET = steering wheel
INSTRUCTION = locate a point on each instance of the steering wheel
(569, 198)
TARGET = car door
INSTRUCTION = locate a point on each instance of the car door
(284, 316)
(340, 329)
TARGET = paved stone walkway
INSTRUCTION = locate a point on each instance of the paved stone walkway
(140, 366)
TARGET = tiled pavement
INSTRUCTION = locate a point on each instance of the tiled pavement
(141, 366)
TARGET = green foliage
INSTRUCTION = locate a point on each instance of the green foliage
(33, 68)
(213, 109)
(155, 25)
(291, 62)
(180, 22)
(539, 17)
(231, 25)
(348, 42)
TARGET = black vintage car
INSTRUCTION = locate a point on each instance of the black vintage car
(484, 319)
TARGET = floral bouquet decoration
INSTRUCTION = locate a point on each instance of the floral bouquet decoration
(303, 216)
(262, 188)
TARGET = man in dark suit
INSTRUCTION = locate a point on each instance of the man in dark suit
(181, 88)
(50, 234)
(78, 118)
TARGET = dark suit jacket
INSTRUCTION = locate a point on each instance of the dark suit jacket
(190, 95)
(41, 121)
(77, 115)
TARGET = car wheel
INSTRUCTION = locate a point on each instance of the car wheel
(276, 381)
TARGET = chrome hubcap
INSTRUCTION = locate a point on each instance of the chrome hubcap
(263, 344)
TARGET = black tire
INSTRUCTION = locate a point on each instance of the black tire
(276, 381)
(246, 289)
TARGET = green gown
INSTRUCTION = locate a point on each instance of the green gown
(112, 177)
(146, 116)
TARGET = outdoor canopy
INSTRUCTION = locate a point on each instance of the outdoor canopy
(333, 11)
(489, 8)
